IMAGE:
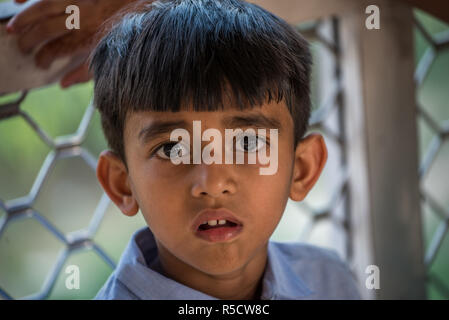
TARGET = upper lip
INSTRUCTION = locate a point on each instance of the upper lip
(214, 214)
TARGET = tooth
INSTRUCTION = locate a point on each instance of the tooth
(221, 221)
(212, 222)
(205, 222)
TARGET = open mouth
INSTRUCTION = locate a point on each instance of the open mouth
(217, 224)
(218, 230)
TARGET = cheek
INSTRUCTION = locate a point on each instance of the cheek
(160, 193)
(266, 196)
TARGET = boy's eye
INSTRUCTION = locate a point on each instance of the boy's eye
(250, 143)
(172, 149)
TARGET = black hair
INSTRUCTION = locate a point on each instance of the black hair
(168, 55)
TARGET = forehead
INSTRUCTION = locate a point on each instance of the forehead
(269, 115)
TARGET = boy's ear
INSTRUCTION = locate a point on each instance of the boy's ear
(113, 177)
(310, 158)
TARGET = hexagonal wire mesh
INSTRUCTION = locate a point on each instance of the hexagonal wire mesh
(20, 208)
(437, 45)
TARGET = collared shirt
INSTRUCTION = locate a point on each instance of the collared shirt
(294, 271)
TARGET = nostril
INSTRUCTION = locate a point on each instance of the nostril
(204, 193)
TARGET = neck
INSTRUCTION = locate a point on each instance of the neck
(245, 283)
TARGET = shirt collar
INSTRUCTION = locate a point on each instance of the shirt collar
(280, 281)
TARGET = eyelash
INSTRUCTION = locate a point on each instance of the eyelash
(266, 139)
(156, 148)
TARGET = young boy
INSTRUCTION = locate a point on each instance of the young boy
(223, 64)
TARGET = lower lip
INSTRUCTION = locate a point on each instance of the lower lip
(219, 234)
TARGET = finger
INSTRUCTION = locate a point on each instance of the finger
(41, 32)
(36, 12)
(68, 45)
(78, 75)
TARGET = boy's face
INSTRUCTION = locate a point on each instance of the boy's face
(171, 196)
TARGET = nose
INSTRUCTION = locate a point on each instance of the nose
(214, 180)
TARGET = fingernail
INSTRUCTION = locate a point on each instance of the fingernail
(10, 28)
(65, 83)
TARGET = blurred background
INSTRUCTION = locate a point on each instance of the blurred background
(70, 198)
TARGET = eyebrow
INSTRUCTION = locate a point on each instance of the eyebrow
(257, 120)
(159, 128)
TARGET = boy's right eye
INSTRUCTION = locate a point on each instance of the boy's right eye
(172, 149)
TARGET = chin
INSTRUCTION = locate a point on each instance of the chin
(219, 267)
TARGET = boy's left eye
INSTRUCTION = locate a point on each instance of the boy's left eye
(250, 143)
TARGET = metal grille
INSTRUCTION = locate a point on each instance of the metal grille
(22, 208)
(328, 119)
(437, 45)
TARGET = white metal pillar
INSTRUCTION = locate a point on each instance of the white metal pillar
(382, 142)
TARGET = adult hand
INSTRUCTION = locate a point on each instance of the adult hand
(44, 23)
